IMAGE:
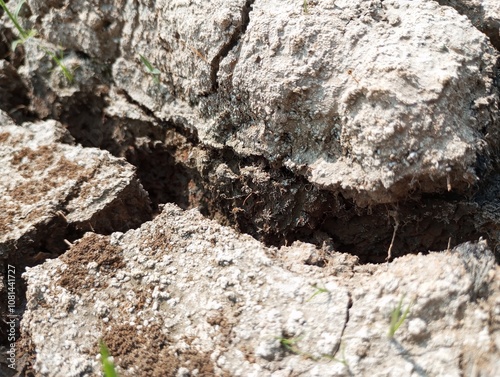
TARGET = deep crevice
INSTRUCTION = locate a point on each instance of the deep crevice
(278, 207)
(270, 203)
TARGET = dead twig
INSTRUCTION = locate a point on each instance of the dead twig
(395, 217)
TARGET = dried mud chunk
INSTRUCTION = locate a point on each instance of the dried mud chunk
(56, 189)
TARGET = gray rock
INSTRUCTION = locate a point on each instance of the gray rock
(341, 104)
(447, 331)
(366, 104)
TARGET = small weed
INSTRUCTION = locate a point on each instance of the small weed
(317, 292)
(305, 7)
(343, 360)
(58, 60)
(398, 317)
(290, 344)
(25, 35)
(107, 365)
(154, 72)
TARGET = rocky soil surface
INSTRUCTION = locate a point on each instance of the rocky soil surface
(250, 188)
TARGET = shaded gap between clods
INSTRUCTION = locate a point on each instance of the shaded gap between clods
(277, 207)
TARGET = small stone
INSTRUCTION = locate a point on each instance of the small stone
(417, 327)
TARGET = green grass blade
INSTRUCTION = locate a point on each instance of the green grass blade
(22, 32)
(18, 9)
(14, 44)
(398, 317)
(107, 365)
(58, 60)
(403, 317)
(29, 34)
(290, 344)
(317, 292)
(146, 62)
(155, 72)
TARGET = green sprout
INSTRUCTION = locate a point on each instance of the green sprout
(305, 7)
(58, 60)
(25, 35)
(317, 292)
(398, 317)
(290, 344)
(107, 365)
(154, 72)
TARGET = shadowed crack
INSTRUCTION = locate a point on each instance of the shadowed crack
(277, 207)
(348, 308)
(224, 51)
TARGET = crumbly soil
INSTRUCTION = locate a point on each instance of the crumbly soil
(248, 193)
(274, 206)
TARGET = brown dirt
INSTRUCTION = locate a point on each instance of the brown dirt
(91, 248)
(4, 136)
(152, 353)
(31, 161)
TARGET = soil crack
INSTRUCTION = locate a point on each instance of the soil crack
(346, 321)
(233, 42)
